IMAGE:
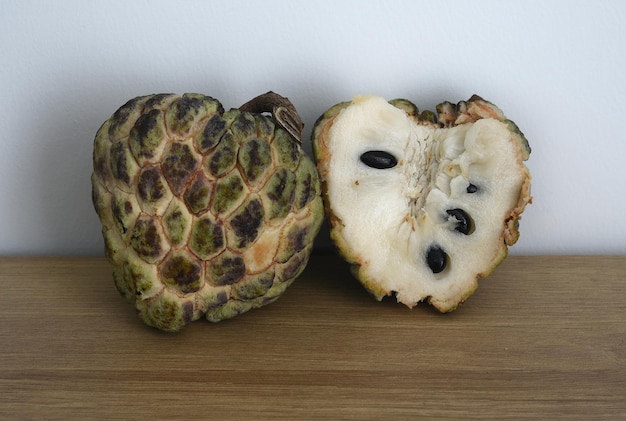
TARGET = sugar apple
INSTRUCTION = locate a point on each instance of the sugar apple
(421, 204)
(204, 211)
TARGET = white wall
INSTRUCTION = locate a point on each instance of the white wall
(555, 67)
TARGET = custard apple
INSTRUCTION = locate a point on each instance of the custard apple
(421, 204)
(204, 211)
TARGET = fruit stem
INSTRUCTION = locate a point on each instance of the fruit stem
(282, 110)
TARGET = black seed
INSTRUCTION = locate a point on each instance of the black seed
(472, 188)
(380, 160)
(464, 223)
(437, 259)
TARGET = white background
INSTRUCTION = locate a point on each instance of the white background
(557, 68)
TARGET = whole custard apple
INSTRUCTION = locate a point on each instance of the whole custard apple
(421, 204)
(204, 211)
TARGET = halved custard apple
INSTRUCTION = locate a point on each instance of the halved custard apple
(421, 204)
(204, 211)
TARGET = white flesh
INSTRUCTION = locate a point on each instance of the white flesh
(392, 216)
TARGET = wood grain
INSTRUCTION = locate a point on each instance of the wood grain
(542, 338)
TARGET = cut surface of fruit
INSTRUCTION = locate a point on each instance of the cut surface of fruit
(421, 204)
(204, 211)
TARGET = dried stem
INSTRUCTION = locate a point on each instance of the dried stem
(282, 110)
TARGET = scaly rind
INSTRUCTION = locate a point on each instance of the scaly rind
(156, 173)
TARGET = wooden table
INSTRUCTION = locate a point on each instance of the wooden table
(542, 338)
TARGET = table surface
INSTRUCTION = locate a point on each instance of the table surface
(542, 338)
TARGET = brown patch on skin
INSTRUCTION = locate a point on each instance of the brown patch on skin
(265, 126)
(228, 191)
(213, 131)
(151, 186)
(183, 113)
(158, 101)
(305, 192)
(182, 272)
(178, 166)
(176, 223)
(186, 107)
(247, 222)
(207, 238)
(243, 126)
(287, 150)
(198, 195)
(101, 148)
(227, 269)
(308, 186)
(162, 312)
(255, 156)
(141, 279)
(298, 238)
(293, 267)
(221, 299)
(255, 286)
(119, 162)
(125, 117)
(224, 156)
(146, 240)
(145, 124)
(281, 192)
(295, 239)
(121, 115)
(146, 135)
(187, 312)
